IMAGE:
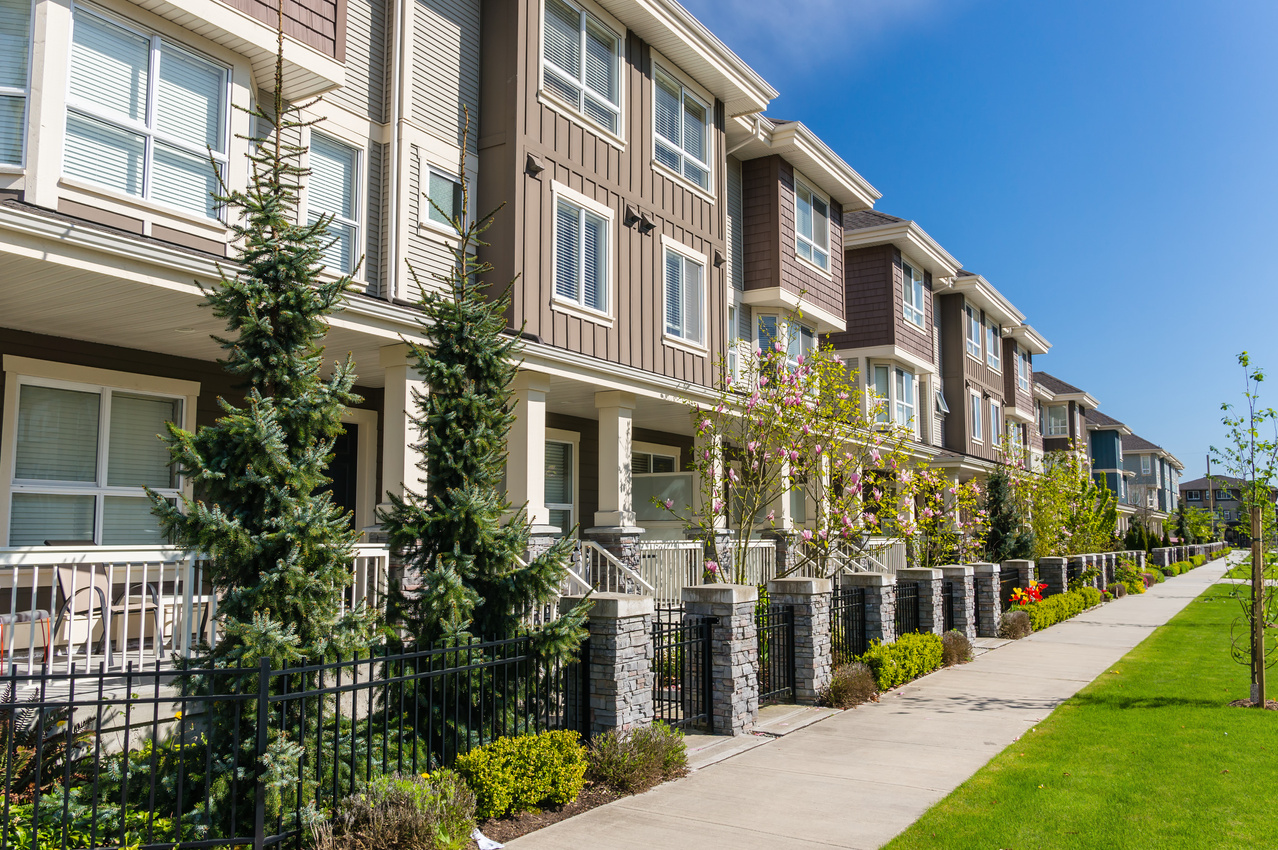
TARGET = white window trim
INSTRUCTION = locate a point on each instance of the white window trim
(921, 324)
(150, 135)
(560, 304)
(573, 438)
(23, 92)
(20, 371)
(800, 180)
(548, 98)
(425, 169)
(706, 101)
(358, 189)
(700, 349)
(977, 409)
(975, 313)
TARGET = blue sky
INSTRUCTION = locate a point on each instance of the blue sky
(1109, 166)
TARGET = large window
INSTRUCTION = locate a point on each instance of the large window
(581, 256)
(15, 53)
(978, 417)
(684, 296)
(912, 294)
(333, 190)
(1057, 421)
(581, 63)
(144, 115)
(811, 225)
(1022, 369)
(561, 486)
(972, 322)
(993, 346)
(82, 456)
(682, 130)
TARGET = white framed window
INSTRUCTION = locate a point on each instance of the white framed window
(1144, 465)
(811, 224)
(15, 79)
(800, 341)
(1022, 369)
(583, 252)
(972, 324)
(333, 190)
(978, 417)
(581, 63)
(685, 293)
(993, 347)
(144, 115)
(912, 294)
(561, 483)
(442, 200)
(1057, 420)
(996, 419)
(681, 130)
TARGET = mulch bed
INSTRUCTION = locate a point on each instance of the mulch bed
(1270, 704)
(510, 828)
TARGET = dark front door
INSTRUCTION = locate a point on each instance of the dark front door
(343, 470)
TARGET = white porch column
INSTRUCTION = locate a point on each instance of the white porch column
(616, 441)
(399, 458)
(526, 449)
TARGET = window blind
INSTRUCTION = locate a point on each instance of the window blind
(136, 454)
(57, 435)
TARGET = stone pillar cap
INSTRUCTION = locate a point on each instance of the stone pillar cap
(612, 606)
(868, 579)
(799, 586)
(729, 594)
(918, 574)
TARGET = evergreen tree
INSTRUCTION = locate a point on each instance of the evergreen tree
(467, 558)
(1007, 537)
(280, 551)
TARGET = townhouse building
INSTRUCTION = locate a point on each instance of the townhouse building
(1153, 487)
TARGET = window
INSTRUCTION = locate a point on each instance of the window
(15, 48)
(684, 296)
(996, 419)
(912, 294)
(560, 485)
(1057, 421)
(905, 382)
(993, 346)
(800, 342)
(682, 130)
(581, 63)
(443, 198)
(645, 463)
(811, 225)
(333, 190)
(977, 417)
(1144, 464)
(581, 256)
(972, 319)
(1022, 369)
(82, 456)
(1194, 495)
(143, 115)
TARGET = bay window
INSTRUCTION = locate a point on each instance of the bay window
(684, 295)
(581, 63)
(811, 225)
(972, 323)
(144, 115)
(15, 68)
(912, 294)
(333, 190)
(682, 130)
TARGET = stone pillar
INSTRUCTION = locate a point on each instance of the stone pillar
(812, 649)
(399, 459)
(620, 671)
(986, 580)
(734, 652)
(1024, 571)
(963, 579)
(1054, 571)
(880, 603)
(931, 599)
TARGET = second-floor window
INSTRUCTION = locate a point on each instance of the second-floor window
(1057, 421)
(1022, 369)
(143, 115)
(972, 322)
(15, 50)
(581, 256)
(912, 294)
(811, 225)
(581, 63)
(333, 190)
(685, 293)
(993, 347)
(682, 131)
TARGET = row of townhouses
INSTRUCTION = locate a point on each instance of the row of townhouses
(657, 221)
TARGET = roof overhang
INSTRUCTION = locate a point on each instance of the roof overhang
(981, 292)
(684, 40)
(755, 136)
(307, 71)
(1030, 339)
(911, 239)
(784, 299)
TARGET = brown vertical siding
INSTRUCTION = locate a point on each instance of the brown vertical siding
(320, 24)
(868, 296)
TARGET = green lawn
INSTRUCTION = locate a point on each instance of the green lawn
(1147, 756)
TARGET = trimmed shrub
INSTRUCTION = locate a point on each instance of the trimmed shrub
(912, 655)
(526, 773)
(850, 685)
(429, 812)
(1014, 625)
(955, 648)
(1117, 590)
(636, 760)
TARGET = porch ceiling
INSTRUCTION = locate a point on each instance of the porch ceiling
(575, 398)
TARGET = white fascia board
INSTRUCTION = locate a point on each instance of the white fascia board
(1031, 340)
(911, 239)
(982, 293)
(782, 298)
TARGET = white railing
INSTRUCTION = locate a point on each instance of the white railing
(121, 605)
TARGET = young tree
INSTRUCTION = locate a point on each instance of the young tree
(1252, 456)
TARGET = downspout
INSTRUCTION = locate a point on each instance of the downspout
(397, 150)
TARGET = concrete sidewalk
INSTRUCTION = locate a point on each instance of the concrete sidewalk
(860, 777)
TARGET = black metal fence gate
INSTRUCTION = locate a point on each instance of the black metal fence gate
(774, 626)
(681, 683)
(907, 607)
(847, 624)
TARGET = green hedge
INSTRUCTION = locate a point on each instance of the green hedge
(525, 773)
(1062, 606)
(912, 655)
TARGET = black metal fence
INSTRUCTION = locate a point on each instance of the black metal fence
(774, 626)
(847, 624)
(235, 757)
(681, 684)
(1007, 583)
(947, 603)
(907, 607)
